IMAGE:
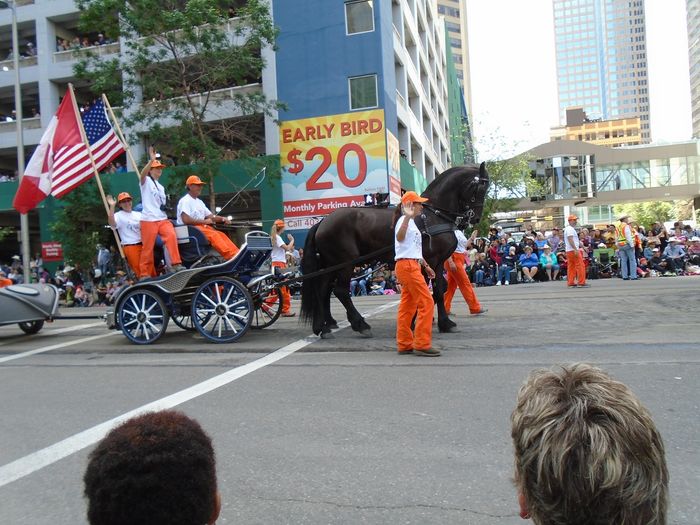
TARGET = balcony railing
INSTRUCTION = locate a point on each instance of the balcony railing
(74, 54)
(7, 65)
(27, 123)
(215, 95)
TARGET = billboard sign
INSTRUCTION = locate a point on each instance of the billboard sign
(331, 162)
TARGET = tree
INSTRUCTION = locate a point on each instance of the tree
(6, 231)
(177, 59)
(80, 224)
(646, 213)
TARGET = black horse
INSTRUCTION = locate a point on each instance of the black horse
(455, 200)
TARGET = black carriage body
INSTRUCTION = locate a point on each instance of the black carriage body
(175, 294)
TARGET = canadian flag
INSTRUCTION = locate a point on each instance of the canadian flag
(61, 161)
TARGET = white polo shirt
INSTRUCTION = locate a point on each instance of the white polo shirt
(152, 198)
(412, 245)
(279, 254)
(569, 231)
(128, 226)
(461, 242)
(195, 208)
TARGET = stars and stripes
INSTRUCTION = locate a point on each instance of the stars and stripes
(72, 164)
(61, 161)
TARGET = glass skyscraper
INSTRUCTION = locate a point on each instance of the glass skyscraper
(602, 59)
(693, 11)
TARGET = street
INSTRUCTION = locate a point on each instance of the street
(345, 430)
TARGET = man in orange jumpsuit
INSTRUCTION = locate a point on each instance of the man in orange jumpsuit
(415, 295)
(192, 210)
(575, 267)
(457, 276)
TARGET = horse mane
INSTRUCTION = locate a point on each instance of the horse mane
(438, 185)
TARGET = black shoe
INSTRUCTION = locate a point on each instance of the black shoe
(405, 352)
(482, 311)
(584, 285)
(428, 352)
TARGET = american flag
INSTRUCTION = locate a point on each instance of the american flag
(71, 162)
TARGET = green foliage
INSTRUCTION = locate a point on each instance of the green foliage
(80, 224)
(646, 213)
(5, 232)
(178, 58)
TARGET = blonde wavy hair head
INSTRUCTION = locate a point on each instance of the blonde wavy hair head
(587, 451)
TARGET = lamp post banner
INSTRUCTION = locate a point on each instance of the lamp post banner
(331, 162)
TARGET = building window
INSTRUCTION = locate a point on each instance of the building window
(363, 92)
(359, 17)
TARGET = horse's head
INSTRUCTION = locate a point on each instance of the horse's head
(461, 191)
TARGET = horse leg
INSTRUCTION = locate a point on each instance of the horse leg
(445, 324)
(342, 292)
(319, 318)
(329, 321)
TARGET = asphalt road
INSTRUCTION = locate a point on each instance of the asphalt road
(345, 430)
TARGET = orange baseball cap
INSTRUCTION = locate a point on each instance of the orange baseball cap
(123, 196)
(279, 222)
(193, 179)
(572, 218)
(412, 196)
(157, 164)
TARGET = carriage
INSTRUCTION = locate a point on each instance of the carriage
(221, 301)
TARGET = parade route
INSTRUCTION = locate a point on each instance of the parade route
(345, 430)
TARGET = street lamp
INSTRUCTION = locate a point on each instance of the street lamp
(24, 218)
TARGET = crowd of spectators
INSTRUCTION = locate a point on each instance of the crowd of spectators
(499, 259)
(77, 42)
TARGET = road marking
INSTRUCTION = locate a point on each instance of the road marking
(56, 346)
(48, 333)
(43, 458)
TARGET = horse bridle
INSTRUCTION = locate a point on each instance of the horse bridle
(456, 220)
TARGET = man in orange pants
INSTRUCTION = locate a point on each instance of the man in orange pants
(415, 295)
(457, 276)
(192, 210)
(575, 267)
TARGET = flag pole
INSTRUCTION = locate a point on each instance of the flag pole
(118, 129)
(94, 167)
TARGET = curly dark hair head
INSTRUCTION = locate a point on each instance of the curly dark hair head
(157, 468)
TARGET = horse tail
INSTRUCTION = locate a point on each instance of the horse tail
(311, 301)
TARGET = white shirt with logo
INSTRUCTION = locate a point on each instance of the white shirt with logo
(128, 226)
(195, 208)
(279, 254)
(462, 242)
(412, 245)
(569, 231)
(152, 198)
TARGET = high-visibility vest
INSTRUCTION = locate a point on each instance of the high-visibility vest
(621, 238)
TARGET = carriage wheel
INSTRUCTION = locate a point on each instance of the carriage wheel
(222, 309)
(184, 321)
(268, 304)
(142, 316)
(31, 327)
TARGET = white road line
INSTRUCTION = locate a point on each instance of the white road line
(55, 347)
(43, 458)
(48, 333)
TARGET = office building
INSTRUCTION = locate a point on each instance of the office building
(613, 133)
(455, 13)
(601, 59)
(693, 19)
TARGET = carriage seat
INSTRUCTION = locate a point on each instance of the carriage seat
(192, 244)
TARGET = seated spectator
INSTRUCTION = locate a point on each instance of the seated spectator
(482, 271)
(541, 242)
(553, 240)
(157, 468)
(675, 252)
(378, 284)
(561, 259)
(358, 282)
(586, 451)
(549, 263)
(507, 265)
(81, 297)
(647, 252)
(694, 250)
(529, 263)
(4, 281)
(496, 250)
(643, 269)
(70, 294)
(662, 265)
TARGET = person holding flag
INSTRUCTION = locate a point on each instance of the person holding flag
(127, 222)
(154, 220)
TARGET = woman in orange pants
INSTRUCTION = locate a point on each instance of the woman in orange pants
(457, 277)
(279, 260)
(415, 295)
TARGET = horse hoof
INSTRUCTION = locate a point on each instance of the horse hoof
(366, 333)
(333, 326)
(327, 335)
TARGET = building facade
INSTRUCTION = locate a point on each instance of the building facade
(601, 59)
(693, 20)
(455, 13)
(613, 133)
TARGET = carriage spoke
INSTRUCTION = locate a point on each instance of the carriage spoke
(133, 302)
(129, 312)
(228, 295)
(210, 301)
(130, 322)
(233, 328)
(151, 307)
(218, 293)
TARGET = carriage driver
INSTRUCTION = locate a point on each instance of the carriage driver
(191, 210)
